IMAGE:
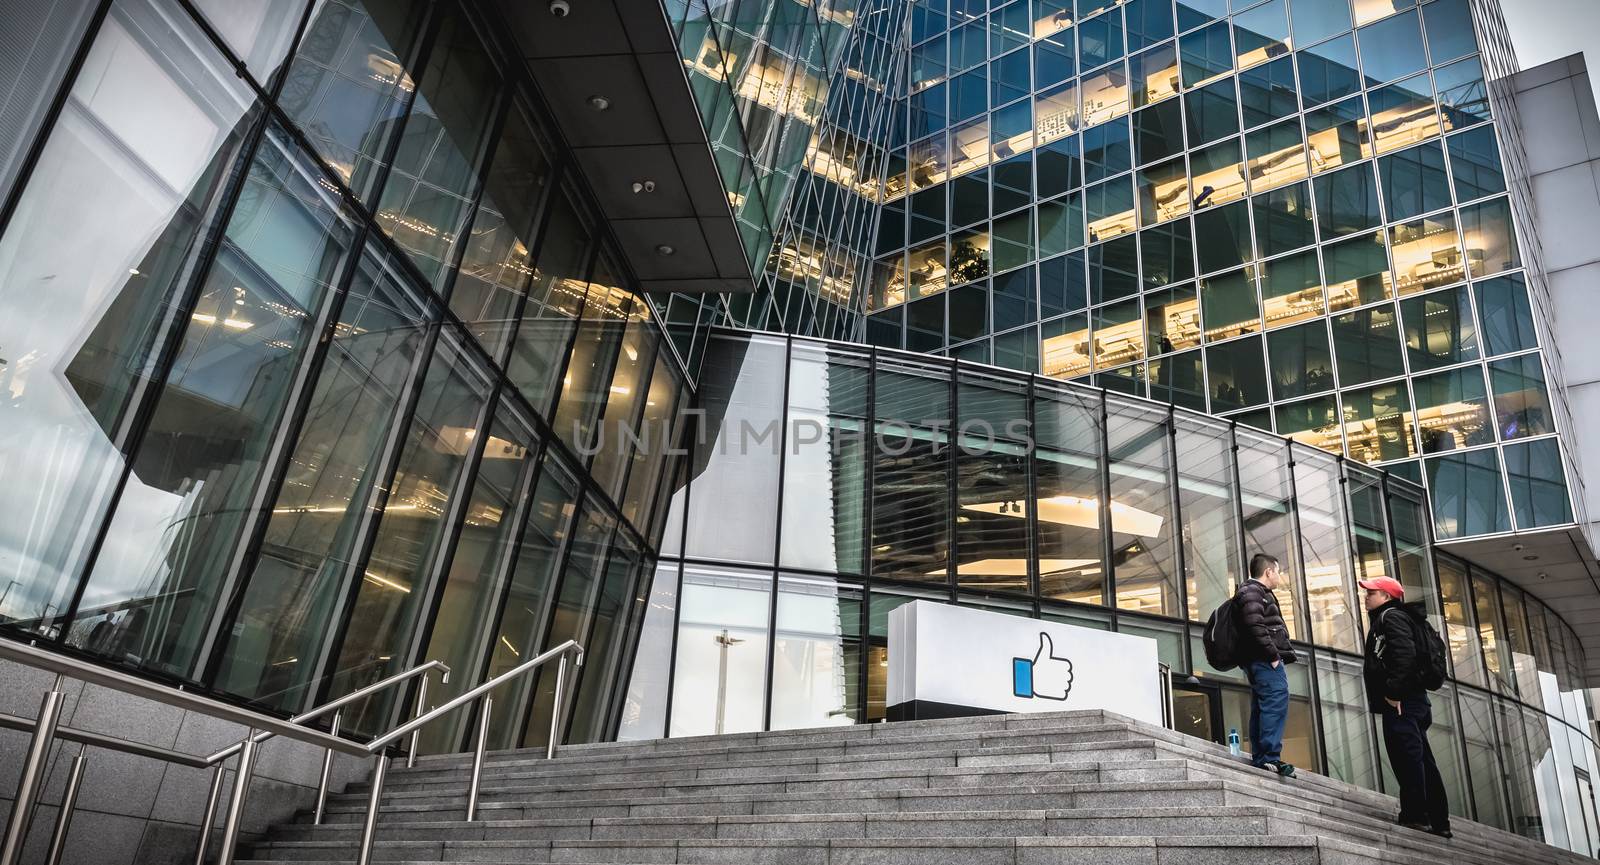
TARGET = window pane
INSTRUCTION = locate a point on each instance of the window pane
(1155, 72)
(1452, 410)
(1414, 181)
(1367, 345)
(1206, 54)
(1265, 497)
(1357, 271)
(1166, 254)
(1267, 93)
(1066, 346)
(86, 315)
(742, 386)
(1291, 289)
(1283, 220)
(1377, 423)
(1238, 377)
(1100, 39)
(259, 33)
(1179, 379)
(309, 545)
(1402, 113)
(1325, 543)
(1330, 70)
(1105, 95)
(1389, 48)
(1468, 496)
(1537, 478)
(1301, 363)
(1346, 721)
(1466, 653)
(1462, 93)
(1522, 404)
(1149, 22)
(1060, 168)
(1491, 242)
(1212, 112)
(1427, 254)
(1314, 422)
(1337, 135)
(1347, 201)
(1439, 329)
(1222, 237)
(1475, 164)
(1063, 285)
(1113, 269)
(1483, 759)
(610, 312)
(911, 473)
(1141, 519)
(209, 442)
(1068, 461)
(555, 297)
(1229, 304)
(1277, 155)
(1061, 225)
(1158, 131)
(1108, 207)
(1260, 34)
(1449, 27)
(817, 656)
(1316, 20)
(1507, 316)
(721, 652)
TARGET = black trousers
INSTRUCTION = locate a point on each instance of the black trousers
(1405, 736)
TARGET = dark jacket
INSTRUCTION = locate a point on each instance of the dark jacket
(1266, 638)
(1391, 666)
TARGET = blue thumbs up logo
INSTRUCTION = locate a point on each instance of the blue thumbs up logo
(1044, 675)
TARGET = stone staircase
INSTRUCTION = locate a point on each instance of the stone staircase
(1071, 787)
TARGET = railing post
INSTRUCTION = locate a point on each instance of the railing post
(327, 769)
(370, 827)
(213, 800)
(44, 733)
(477, 757)
(241, 787)
(555, 708)
(422, 708)
(69, 801)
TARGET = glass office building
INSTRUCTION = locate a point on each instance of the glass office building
(899, 477)
(323, 352)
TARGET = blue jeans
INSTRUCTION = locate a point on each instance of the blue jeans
(1269, 710)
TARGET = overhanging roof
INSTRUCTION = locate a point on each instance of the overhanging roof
(625, 52)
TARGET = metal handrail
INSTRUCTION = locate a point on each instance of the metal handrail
(380, 767)
(246, 750)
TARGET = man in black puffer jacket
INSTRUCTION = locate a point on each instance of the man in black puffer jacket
(1393, 673)
(1265, 653)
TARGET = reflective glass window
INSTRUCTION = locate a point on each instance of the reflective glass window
(969, 203)
(911, 472)
(1193, 13)
(1414, 181)
(1356, 271)
(108, 170)
(1367, 345)
(1506, 313)
(1267, 93)
(1260, 34)
(1337, 135)
(1018, 350)
(969, 45)
(1346, 721)
(1439, 330)
(816, 654)
(926, 269)
(1054, 59)
(1347, 201)
(1011, 131)
(1166, 253)
(1154, 74)
(1367, 524)
(1218, 174)
(1316, 20)
(1228, 303)
(1427, 254)
(1055, 117)
(1059, 167)
(1314, 422)
(555, 298)
(611, 314)
(1118, 334)
(969, 95)
(721, 651)
(1452, 410)
(1179, 379)
(1377, 423)
(1222, 237)
(1149, 22)
(1483, 760)
(1265, 494)
(1100, 39)
(825, 463)
(1449, 27)
(1158, 131)
(1108, 208)
(1061, 225)
(1013, 183)
(1237, 373)
(1105, 95)
(1068, 462)
(1389, 48)
(1402, 113)
(1301, 363)
(1330, 70)
(1291, 289)
(1463, 94)
(925, 324)
(1491, 242)
(348, 84)
(1063, 287)
(1522, 402)
(1461, 630)
(1537, 478)
(1277, 155)
(1051, 16)
(259, 33)
(1014, 299)
(1113, 270)
(927, 65)
(1172, 320)
(741, 452)
(1066, 346)
(1212, 112)
(992, 487)
(1210, 530)
(1009, 27)
(1163, 192)
(1468, 496)
(1205, 54)
(1475, 164)
(210, 438)
(1283, 220)
(969, 312)
(1107, 151)
(1141, 510)
(1325, 545)
(1013, 240)
(1372, 10)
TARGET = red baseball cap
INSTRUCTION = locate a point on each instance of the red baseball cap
(1384, 584)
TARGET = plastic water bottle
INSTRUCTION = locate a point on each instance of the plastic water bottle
(1233, 741)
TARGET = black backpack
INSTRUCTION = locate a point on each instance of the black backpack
(1220, 637)
(1431, 654)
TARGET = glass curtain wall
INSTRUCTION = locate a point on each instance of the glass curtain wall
(992, 489)
(337, 373)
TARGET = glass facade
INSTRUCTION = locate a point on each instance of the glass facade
(901, 476)
(320, 368)
(1293, 213)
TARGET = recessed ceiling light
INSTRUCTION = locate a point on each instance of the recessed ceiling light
(599, 103)
(1530, 558)
(664, 249)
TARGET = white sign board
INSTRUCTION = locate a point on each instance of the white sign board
(944, 659)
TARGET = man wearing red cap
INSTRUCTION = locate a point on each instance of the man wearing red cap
(1394, 676)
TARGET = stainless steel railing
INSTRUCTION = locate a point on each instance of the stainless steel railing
(380, 766)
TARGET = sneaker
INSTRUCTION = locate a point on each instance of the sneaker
(1286, 769)
(1420, 827)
